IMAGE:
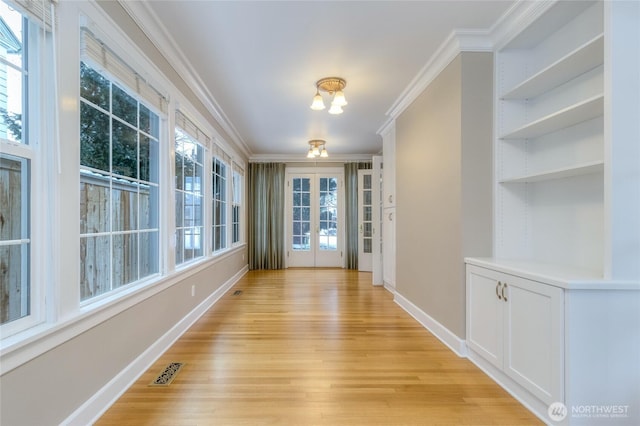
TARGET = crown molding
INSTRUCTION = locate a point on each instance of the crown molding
(333, 158)
(149, 23)
(387, 127)
(512, 21)
(515, 19)
(458, 41)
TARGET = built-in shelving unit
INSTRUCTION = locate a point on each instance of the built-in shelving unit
(564, 278)
(566, 117)
(550, 140)
(561, 173)
(584, 58)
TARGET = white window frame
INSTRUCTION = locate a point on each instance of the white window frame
(203, 208)
(114, 81)
(35, 106)
(224, 242)
(237, 201)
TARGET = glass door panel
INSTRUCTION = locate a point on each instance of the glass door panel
(314, 229)
(365, 220)
(301, 214)
(328, 202)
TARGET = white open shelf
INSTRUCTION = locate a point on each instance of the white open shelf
(573, 114)
(565, 172)
(577, 62)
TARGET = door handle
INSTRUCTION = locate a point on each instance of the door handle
(504, 296)
(499, 285)
(361, 230)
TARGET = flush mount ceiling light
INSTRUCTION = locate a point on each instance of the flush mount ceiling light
(334, 86)
(317, 149)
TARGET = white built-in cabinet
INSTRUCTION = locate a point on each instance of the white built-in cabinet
(516, 324)
(389, 206)
(389, 166)
(566, 214)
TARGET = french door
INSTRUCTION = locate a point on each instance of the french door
(314, 217)
(366, 205)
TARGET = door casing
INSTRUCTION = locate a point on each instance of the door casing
(315, 258)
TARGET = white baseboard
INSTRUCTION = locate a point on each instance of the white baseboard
(523, 396)
(452, 341)
(390, 288)
(94, 407)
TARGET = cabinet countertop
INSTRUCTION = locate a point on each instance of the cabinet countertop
(567, 278)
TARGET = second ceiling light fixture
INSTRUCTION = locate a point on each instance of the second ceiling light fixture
(334, 86)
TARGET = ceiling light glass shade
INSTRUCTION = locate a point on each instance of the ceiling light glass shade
(317, 149)
(339, 99)
(335, 109)
(317, 104)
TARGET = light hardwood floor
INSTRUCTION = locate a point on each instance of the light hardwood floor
(314, 347)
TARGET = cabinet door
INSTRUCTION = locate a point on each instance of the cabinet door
(389, 167)
(389, 247)
(533, 336)
(485, 315)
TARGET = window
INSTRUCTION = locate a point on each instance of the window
(20, 107)
(189, 156)
(14, 74)
(119, 168)
(219, 205)
(14, 238)
(236, 205)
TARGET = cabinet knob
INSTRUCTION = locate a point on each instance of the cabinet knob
(498, 286)
(504, 296)
(390, 216)
(391, 198)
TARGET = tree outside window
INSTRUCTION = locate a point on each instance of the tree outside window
(119, 186)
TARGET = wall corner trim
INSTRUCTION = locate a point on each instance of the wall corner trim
(95, 406)
(453, 342)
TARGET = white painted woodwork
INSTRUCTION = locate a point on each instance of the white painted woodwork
(566, 214)
(389, 248)
(389, 165)
(317, 254)
(485, 316)
(389, 203)
(377, 220)
(557, 337)
(533, 345)
(516, 324)
(365, 220)
(549, 126)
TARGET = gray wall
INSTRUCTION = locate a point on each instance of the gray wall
(444, 187)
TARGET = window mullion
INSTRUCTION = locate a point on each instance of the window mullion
(110, 195)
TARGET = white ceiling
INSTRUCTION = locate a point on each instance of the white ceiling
(260, 61)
